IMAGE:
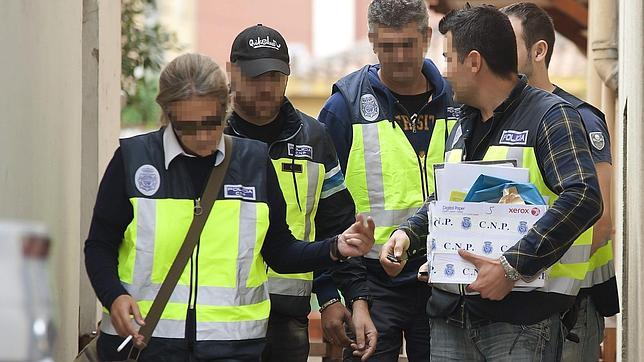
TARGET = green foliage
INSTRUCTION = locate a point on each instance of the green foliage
(141, 108)
(143, 41)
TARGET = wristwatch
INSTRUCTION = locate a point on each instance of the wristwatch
(510, 273)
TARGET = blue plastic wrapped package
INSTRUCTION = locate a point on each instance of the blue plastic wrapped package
(491, 189)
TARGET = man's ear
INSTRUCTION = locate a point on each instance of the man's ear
(475, 61)
(539, 51)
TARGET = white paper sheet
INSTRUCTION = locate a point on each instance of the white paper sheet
(461, 176)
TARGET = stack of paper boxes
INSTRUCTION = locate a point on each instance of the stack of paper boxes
(487, 229)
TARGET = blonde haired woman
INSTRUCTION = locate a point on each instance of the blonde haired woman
(145, 204)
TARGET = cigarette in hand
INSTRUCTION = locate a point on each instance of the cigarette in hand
(125, 342)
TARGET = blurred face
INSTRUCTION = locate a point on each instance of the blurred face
(460, 75)
(198, 123)
(258, 98)
(400, 51)
(523, 53)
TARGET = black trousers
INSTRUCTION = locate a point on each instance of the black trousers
(399, 312)
(179, 350)
(287, 339)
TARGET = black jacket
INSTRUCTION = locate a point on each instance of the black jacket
(295, 131)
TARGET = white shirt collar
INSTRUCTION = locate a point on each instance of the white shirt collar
(172, 148)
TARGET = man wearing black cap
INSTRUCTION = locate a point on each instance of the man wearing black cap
(318, 203)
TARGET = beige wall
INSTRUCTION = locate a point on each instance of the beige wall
(101, 58)
(43, 134)
(40, 134)
(630, 132)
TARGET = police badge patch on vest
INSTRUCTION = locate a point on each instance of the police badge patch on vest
(597, 140)
(369, 108)
(239, 192)
(512, 138)
(147, 180)
(453, 112)
(300, 151)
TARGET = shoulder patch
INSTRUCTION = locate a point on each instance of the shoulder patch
(239, 192)
(147, 180)
(597, 140)
(369, 108)
(510, 137)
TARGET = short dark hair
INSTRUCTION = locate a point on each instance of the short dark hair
(537, 25)
(484, 29)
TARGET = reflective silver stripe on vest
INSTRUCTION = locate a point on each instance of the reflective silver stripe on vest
(144, 289)
(516, 153)
(107, 327)
(214, 331)
(206, 331)
(232, 331)
(246, 244)
(220, 296)
(373, 163)
(292, 287)
(576, 254)
(145, 232)
(313, 174)
(376, 188)
(599, 275)
(561, 285)
(390, 217)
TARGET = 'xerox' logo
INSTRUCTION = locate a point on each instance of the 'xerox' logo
(517, 210)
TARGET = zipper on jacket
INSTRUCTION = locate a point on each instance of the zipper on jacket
(423, 177)
(426, 178)
(414, 120)
(197, 208)
(191, 318)
(424, 182)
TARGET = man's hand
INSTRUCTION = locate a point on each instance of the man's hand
(490, 282)
(358, 239)
(365, 331)
(423, 273)
(122, 308)
(397, 245)
(333, 319)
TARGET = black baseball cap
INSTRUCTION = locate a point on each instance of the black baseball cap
(260, 49)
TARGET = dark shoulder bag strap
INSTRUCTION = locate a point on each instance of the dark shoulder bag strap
(208, 198)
